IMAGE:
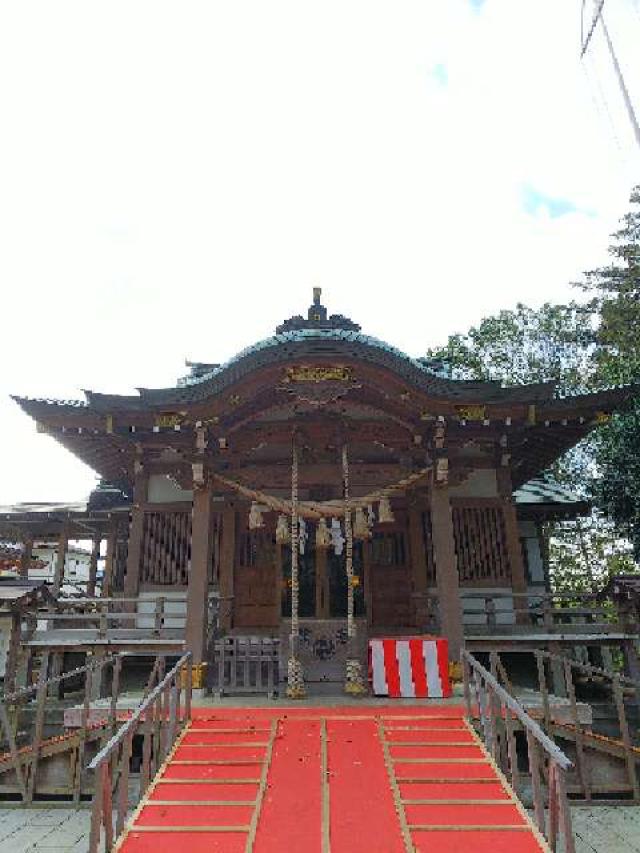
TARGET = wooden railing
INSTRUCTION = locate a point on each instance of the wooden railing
(23, 723)
(160, 718)
(569, 679)
(498, 712)
(539, 612)
(144, 617)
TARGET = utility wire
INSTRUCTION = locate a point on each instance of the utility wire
(599, 16)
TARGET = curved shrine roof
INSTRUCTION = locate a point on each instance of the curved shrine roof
(103, 430)
(319, 336)
(330, 343)
(327, 337)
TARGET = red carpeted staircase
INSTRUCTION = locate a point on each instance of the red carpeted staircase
(315, 780)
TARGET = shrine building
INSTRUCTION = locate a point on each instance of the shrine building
(408, 494)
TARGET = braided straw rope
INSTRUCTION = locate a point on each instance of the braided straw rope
(327, 509)
(354, 683)
(295, 674)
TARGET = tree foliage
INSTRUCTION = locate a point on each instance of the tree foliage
(615, 291)
(582, 347)
(585, 552)
(524, 345)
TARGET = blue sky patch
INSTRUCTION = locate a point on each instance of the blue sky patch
(555, 206)
(477, 4)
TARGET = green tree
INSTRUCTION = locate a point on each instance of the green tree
(585, 552)
(615, 291)
(554, 343)
(525, 345)
(582, 347)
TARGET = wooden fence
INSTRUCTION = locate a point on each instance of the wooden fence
(573, 682)
(27, 744)
(244, 665)
(498, 713)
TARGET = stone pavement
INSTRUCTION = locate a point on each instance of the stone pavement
(46, 830)
(598, 829)
(606, 829)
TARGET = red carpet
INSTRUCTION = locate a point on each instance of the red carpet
(329, 780)
(291, 813)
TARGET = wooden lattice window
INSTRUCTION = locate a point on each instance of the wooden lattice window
(166, 547)
(481, 547)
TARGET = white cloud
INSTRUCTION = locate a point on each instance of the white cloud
(176, 178)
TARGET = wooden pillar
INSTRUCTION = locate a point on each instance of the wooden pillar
(93, 564)
(198, 583)
(418, 563)
(25, 558)
(136, 527)
(61, 558)
(446, 564)
(109, 561)
(227, 560)
(512, 540)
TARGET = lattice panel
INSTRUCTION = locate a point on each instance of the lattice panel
(166, 548)
(483, 559)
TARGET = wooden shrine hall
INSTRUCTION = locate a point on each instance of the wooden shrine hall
(323, 482)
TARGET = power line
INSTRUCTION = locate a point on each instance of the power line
(585, 41)
(598, 16)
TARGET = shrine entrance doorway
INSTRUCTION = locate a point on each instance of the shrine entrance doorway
(323, 583)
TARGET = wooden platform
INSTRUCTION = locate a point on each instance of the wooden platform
(314, 780)
(89, 639)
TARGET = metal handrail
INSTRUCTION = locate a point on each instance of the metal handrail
(137, 714)
(518, 711)
(162, 720)
(497, 711)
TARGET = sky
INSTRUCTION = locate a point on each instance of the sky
(175, 178)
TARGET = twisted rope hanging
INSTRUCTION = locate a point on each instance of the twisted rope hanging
(354, 683)
(326, 509)
(295, 675)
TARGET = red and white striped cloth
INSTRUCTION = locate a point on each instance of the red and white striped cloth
(411, 667)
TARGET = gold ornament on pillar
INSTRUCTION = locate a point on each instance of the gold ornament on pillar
(323, 534)
(283, 536)
(385, 513)
(255, 517)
